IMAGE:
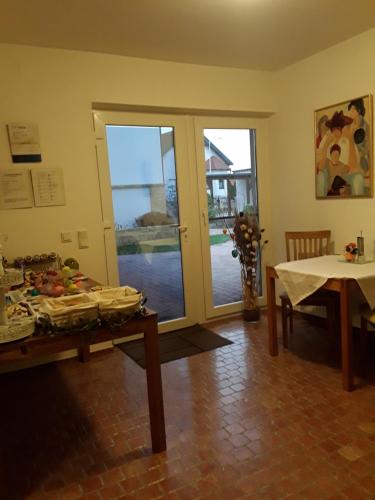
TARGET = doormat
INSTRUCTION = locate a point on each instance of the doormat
(177, 344)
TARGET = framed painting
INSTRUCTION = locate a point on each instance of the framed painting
(343, 150)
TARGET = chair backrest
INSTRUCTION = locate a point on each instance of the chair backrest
(307, 244)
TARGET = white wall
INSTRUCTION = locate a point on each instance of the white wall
(242, 189)
(217, 192)
(56, 89)
(337, 74)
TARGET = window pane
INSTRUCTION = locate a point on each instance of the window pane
(145, 206)
(231, 184)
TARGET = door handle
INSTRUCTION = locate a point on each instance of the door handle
(182, 229)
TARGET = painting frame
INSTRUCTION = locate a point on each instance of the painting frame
(343, 149)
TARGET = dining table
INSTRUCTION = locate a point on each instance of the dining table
(303, 277)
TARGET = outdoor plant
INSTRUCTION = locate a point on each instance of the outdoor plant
(246, 236)
(212, 212)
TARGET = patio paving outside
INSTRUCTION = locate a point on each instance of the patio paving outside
(159, 277)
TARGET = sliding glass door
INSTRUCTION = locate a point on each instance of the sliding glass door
(146, 203)
(228, 179)
(170, 188)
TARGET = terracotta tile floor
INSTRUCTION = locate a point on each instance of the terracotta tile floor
(239, 425)
(159, 276)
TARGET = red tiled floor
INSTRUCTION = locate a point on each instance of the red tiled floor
(240, 424)
(162, 283)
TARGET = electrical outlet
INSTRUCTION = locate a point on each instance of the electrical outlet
(83, 238)
(66, 237)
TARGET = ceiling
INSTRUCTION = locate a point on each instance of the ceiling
(252, 34)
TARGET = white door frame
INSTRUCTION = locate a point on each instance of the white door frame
(190, 248)
(260, 125)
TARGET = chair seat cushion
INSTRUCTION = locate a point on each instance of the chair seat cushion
(368, 313)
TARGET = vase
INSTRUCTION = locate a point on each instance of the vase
(251, 315)
(350, 257)
(251, 309)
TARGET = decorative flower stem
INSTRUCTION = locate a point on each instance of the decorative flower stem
(246, 236)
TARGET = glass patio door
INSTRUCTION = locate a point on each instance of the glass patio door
(145, 200)
(228, 179)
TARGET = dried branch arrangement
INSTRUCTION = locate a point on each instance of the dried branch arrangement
(247, 245)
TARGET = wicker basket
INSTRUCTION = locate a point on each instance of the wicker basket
(69, 311)
(122, 300)
(11, 277)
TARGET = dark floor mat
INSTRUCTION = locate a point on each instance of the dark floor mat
(177, 344)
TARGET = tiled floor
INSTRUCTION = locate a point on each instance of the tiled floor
(226, 274)
(159, 276)
(240, 424)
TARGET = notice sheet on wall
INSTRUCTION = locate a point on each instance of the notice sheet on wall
(15, 188)
(48, 187)
(24, 142)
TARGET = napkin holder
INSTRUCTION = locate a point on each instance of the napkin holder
(361, 249)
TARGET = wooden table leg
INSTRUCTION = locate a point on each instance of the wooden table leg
(154, 386)
(24, 349)
(271, 311)
(346, 337)
(84, 352)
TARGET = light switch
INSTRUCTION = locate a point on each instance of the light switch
(66, 237)
(83, 238)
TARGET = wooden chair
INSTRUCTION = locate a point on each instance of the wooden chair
(367, 317)
(304, 245)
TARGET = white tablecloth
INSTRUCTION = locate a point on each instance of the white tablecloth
(301, 278)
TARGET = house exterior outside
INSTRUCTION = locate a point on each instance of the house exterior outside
(143, 177)
(229, 190)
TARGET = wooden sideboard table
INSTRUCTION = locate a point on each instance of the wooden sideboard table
(38, 346)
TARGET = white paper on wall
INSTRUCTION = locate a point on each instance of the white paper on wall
(15, 188)
(48, 187)
(24, 142)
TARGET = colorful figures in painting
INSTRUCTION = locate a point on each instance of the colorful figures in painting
(342, 151)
